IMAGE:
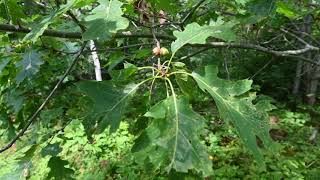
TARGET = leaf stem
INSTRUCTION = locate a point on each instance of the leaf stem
(147, 67)
(177, 120)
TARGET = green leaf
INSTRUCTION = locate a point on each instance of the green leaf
(51, 115)
(109, 105)
(125, 74)
(172, 139)
(15, 99)
(17, 172)
(114, 60)
(51, 149)
(106, 19)
(39, 27)
(187, 86)
(242, 2)
(58, 170)
(29, 65)
(196, 34)
(3, 64)
(82, 3)
(260, 9)
(28, 155)
(11, 11)
(236, 107)
(286, 10)
(165, 5)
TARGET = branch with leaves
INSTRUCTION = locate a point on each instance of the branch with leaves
(77, 35)
(36, 113)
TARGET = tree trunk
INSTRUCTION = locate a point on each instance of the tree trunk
(297, 80)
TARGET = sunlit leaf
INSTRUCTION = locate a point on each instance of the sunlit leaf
(106, 19)
(196, 34)
(39, 27)
(286, 10)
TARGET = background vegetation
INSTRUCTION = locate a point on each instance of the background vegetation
(159, 89)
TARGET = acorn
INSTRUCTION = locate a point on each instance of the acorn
(164, 51)
(156, 51)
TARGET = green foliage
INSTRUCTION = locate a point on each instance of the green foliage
(109, 105)
(58, 171)
(247, 118)
(196, 34)
(192, 115)
(40, 27)
(29, 65)
(106, 19)
(174, 135)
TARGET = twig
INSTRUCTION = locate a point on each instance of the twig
(125, 47)
(35, 114)
(314, 5)
(54, 133)
(286, 53)
(308, 35)
(186, 18)
(75, 20)
(225, 64)
(153, 31)
(262, 68)
(305, 59)
(193, 54)
(77, 35)
(295, 36)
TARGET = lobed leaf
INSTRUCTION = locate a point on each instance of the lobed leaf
(236, 107)
(106, 19)
(39, 27)
(109, 105)
(196, 34)
(58, 169)
(172, 139)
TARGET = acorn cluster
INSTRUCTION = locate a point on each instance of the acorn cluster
(157, 51)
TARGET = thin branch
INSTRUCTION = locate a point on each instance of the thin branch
(153, 32)
(263, 67)
(308, 35)
(186, 18)
(314, 5)
(77, 35)
(193, 54)
(75, 20)
(285, 53)
(36, 113)
(125, 47)
(305, 59)
(225, 64)
(295, 36)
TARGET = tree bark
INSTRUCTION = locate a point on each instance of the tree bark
(297, 80)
